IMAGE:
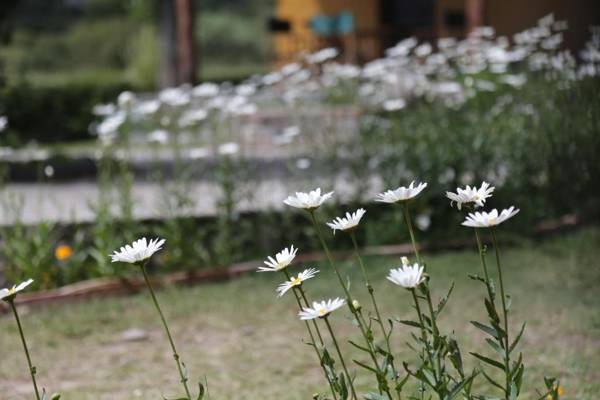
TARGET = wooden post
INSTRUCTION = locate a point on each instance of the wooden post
(186, 62)
(473, 15)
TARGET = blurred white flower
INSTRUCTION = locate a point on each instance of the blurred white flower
(246, 89)
(159, 136)
(198, 153)
(110, 125)
(192, 117)
(303, 163)
(296, 281)
(147, 107)
(401, 194)
(308, 201)
(394, 104)
(103, 110)
(407, 276)
(272, 78)
(423, 221)
(281, 260)
(485, 219)
(290, 69)
(138, 251)
(514, 80)
(125, 99)
(7, 294)
(321, 309)
(291, 131)
(322, 55)
(207, 89)
(228, 149)
(351, 220)
(475, 195)
(423, 50)
(446, 43)
(49, 171)
(174, 97)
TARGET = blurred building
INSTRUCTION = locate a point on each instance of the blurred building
(362, 29)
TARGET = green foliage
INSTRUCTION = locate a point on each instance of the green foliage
(537, 145)
(227, 37)
(55, 113)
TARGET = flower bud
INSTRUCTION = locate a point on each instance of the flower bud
(356, 305)
(404, 261)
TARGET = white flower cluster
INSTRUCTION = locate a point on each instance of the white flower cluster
(451, 71)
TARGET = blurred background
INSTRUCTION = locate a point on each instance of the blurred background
(192, 120)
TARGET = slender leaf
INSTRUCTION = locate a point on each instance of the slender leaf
(410, 323)
(517, 338)
(488, 360)
(444, 300)
(492, 381)
(494, 345)
(365, 366)
(458, 387)
(487, 329)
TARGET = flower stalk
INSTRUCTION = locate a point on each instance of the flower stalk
(371, 291)
(361, 325)
(505, 314)
(180, 365)
(32, 369)
(339, 353)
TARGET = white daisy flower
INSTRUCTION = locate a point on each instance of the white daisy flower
(470, 195)
(485, 219)
(8, 294)
(350, 221)
(321, 309)
(308, 201)
(138, 251)
(281, 260)
(297, 281)
(401, 194)
(407, 276)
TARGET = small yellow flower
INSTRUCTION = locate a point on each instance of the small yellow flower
(558, 391)
(63, 252)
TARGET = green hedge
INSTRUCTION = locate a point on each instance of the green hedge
(51, 114)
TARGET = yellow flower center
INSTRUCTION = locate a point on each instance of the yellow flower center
(11, 291)
(63, 252)
(295, 281)
(322, 312)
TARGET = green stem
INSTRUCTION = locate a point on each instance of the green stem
(166, 326)
(312, 337)
(329, 258)
(505, 312)
(436, 332)
(348, 297)
(32, 369)
(339, 352)
(374, 301)
(424, 332)
(484, 265)
(410, 231)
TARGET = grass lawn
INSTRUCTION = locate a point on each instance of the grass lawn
(246, 342)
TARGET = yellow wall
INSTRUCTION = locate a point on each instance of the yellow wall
(299, 12)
